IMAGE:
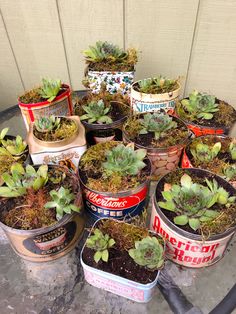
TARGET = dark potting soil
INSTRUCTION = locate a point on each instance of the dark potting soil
(197, 176)
(120, 264)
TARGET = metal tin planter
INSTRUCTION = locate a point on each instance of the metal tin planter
(115, 81)
(121, 286)
(142, 102)
(58, 152)
(163, 160)
(120, 205)
(102, 133)
(185, 248)
(49, 243)
(185, 160)
(60, 106)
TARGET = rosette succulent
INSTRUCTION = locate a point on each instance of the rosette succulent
(100, 243)
(232, 149)
(157, 85)
(14, 147)
(148, 252)
(47, 124)
(205, 153)
(50, 89)
(20, 179)
(124, 160)
(159, 123)
(201, 106)
(96, 111)
(192, 202)
(62, 201)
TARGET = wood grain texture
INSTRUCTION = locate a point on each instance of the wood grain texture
(10, 82)
(163, 31)
(34, 30)
(84, 23)
(213, 61)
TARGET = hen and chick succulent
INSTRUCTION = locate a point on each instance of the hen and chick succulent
(157, 85)
(124, 160)
(47, 124)
(100, 243)
(62, 201)
(110, 55)
(204, 152)
(50, 88)
(159, 123)
(192, 202)
(200, 106)
(148, 252)
(96, 112)
(12, 148)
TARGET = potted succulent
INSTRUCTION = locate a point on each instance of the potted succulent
(109, 64)
(41, 211)
(205, 114)
(195, 211)
(114, 180)
(216, 153)
(162, 135)
(57, 140)
(153, 94)
(123, 258)
(12, 149)
(52, 97)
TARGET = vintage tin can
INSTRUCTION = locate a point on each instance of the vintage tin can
(120, 286)
(119, 205)
(60, 106)
(185, 248)
(142, 102)
(63, 152)
(115, 81)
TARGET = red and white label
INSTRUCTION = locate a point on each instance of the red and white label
(187, 252)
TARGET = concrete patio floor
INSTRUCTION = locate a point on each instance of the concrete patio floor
(59, 286)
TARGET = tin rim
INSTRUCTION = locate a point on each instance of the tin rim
(178, 230)
(168, 94)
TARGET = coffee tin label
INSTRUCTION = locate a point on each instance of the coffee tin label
(144, 106)
(100, 206)
(187, 252)
(51, 242)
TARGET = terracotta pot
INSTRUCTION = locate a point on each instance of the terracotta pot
(142, 102)
(60, 106)
(185, 161)
(49, 243)
(118, 285)
(58, 152)
(185, 248)
(115, 81)
(163, 160)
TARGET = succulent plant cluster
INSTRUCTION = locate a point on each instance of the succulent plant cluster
(20, 179)
(12, 148)
(100, 243)
(192, 202)
(159, 123)
(96, 112)
(62, 201)
(49, 89)
(124, 160)
(200, 106)
(157, 85)
(204, 152)
(47, 124)
(148, 252)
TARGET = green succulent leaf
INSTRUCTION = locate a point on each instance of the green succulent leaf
(194, 223)
(97, 256)
(181, 220)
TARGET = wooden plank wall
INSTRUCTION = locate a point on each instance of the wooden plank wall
(194, 39)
